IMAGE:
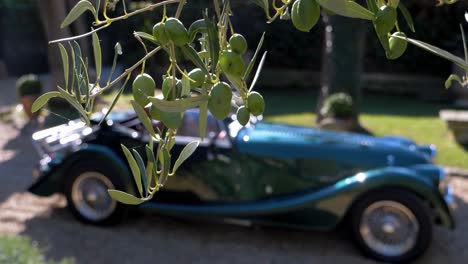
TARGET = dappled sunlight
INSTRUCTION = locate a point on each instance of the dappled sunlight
(19, 208)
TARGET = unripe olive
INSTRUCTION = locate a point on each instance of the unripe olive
(385, 19)
(219, 102)
(243, 115)
(397, 46)
(176, 31)
(238, 44)
(232, 63)
(170, 83)
(143, 86)
(172, 120)
(159, 33)
(198, 76)
(255, 103)
(305, 14)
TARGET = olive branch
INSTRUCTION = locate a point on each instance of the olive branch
(219, 56)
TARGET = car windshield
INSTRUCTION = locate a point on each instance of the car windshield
(190, 126)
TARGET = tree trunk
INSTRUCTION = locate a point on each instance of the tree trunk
(343, 55)
(53, 12)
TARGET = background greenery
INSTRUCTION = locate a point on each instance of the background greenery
(21, 250)
(383, 115)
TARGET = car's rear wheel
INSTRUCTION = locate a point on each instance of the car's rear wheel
(87, 196)
(392, 225)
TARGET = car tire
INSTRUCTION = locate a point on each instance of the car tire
(391, 225)
(87, 196)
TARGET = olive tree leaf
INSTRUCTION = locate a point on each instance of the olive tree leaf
(43, 99)
(124, 198)
(254, 58)
(151, 172)
(179, 105)
(188, 150)
(437, 51)
(146, 36)
(192, 55)
(165, 159)
(347, 8)
(81, 7)
(452, 78)
(213, 41)
(66, 66)
(372, 5)
(259, 70)
(114, 101)
(145, 120)
(198, 26)
(73, 102)
(407, 16)
(142, 169)
(134, 168)
(203, 119)
(97, 56)
(236, 81)
(185, 84)
(86, 86)
(78, 65)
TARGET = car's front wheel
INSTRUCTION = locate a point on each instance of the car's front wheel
(87, 196)
(392, 225)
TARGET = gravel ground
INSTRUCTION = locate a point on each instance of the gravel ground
(146, 238)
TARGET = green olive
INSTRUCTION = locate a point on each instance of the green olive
(385, 20)
(143, 86)
(305, 14)
(232, 63)
(397, 46)
(243, 115)
(219, 103)
(176, 31)
(238, 44)
(255, 103)
(172, 120)
(198, 76)
(159, 33)
(167, 86)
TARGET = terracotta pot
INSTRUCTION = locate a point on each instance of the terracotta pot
(27, 102)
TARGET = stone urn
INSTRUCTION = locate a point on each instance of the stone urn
(457, 122)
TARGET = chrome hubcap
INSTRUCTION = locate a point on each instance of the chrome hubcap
(89, 196)
(389, 228)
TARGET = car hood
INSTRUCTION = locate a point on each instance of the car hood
(292, 142)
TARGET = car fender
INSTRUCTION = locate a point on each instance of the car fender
(52, 181)
(392, 177)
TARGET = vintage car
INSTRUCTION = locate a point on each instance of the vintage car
(386, 190)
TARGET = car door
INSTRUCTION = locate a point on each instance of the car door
(211, 173)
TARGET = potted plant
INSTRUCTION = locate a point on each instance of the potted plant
(338, 111)
(29, 89)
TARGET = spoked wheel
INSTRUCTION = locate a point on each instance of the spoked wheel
(393, 226)
(87, 195)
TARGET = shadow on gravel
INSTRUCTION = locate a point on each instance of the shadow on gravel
(18, 161)
(149, 238)
(146, 238)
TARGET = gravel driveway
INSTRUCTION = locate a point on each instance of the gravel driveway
(146, 238)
